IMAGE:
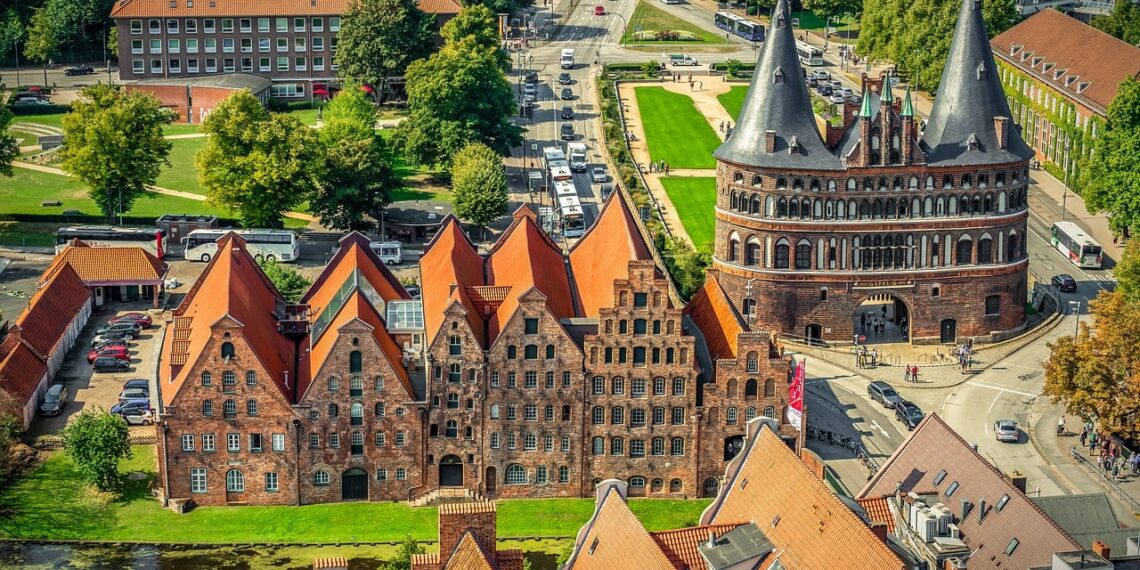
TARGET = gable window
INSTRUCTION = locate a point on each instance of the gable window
(229, 380)
(227, 350)
(531, 326)
(229, 409)
(207, 408)
(251, 407)
(530, 352)
(454, 346)
(454, 373)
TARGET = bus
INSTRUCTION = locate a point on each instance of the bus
(279, 245)
(726, 21)
(150, 239)
(573, 218)
(749, 30)
(1081, 249)
(809, 54)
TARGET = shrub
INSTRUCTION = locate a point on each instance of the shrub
(650, 68)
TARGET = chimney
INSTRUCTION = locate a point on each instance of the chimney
(880, 530)
(1102, 549)
(1001, 128)
(770, 141)
(712, 539)
(981, 511)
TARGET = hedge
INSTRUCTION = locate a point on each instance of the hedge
(40, 109)
(93, 219)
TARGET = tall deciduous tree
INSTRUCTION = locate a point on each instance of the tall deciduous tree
(9, 148)
(1109, 184)
(1123, 22)
(113, 143)
(44, 38)
(258, 164)
(1094, 374)
(1127, 272)
(11, 31)
(96, 442)
(379, 38)
(358, 179)
(825, 9)
(480, 26)
(479, 184)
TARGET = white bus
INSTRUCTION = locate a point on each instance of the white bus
(1081, 249)
(150, 239)
(573, 218)
(280, 245)
(809, 54)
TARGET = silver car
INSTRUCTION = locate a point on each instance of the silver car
(883, 393)
(1006, 430)
(598, 174)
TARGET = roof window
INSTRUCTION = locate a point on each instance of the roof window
(950, 490)
(1082, 86)
(1002, 502)
(1057, 73)
(1013, 49)
(939, 477)
(1013, 543)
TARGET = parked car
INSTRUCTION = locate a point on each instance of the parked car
(81, 69)
(112, 350)
(567, 94)
(134, 412)
(837, 98)
(811, 82)
(144, 320)
(55, 399)
(29, 94)
(568, 132)
(30, 102)
(883, 393)
(567, 113)
(106, 338)
(413, 290)
(137, 383)
(836, 85)
(110, 364)
(847, 92)
(127, 404)
(532, 77)
(565, 79)
(599, 10)
(134, 394)
(824, 90)
(125, 327)
(1006, 430)
(598, 174)
(110, 344)
(909, 414)
(1065, 283)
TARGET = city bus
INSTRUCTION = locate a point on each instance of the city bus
(809, 54)
(279, 245)
(150, 239)
(573, 218)
(1081, 249)
(749, 30)
(726, 21)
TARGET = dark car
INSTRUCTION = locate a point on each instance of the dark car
(567, 113)
(564, 79)
(110, 364)
(532, 77)
(567, 94)
(125, 327)
(29, 95)
(113, 351)
(81, 69)
(909, 414)
(824, 90)
(55, 399)
(1065, 283)
(142, 319)
(568, 132)
(137, 383)
(127, 405)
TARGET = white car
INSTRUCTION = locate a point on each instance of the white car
(837, 98)
(1006, 430)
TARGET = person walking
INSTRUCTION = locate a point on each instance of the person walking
(914, 373)
(1135, 464)
(1084, 436)
(906, 373)
(1092, 442)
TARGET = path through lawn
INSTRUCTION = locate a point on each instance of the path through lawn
(694, 198)
(674, 130)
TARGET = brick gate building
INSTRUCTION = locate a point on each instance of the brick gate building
(930, 223)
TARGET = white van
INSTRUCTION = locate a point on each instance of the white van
(567, 60)
(390, 252)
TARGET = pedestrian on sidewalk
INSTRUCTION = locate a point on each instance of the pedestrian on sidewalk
(1135, 464)
(1061, 424)
(914, 373)
(874, 357)
(1084, 436)
(1092, 442)
(906, 373)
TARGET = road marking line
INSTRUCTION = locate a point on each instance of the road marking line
(1001, 389)
(875, 425)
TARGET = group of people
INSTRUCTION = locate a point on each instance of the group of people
(910, 373)
(877, 324)
(1111, 456)
(659, 166)
(866, 358)
(965, 355)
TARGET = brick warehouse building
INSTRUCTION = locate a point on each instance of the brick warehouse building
(525, 371)
(933, 223)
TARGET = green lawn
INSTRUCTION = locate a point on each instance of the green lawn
(51, 120)
(50, 503)
(417, 181)
(649, 18)
(180, 129)
(733, 100)
(675, 130)
(694, 198)
(181, 174)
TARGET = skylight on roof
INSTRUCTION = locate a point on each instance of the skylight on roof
(1002, 502)
(939, 477)
(1012, 546)
(950, 490)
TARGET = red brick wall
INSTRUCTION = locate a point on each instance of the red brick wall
(439, 386)
(453, 526)
(173, 97)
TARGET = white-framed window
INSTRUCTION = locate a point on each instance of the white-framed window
(255, 442)
(282, 24)
(381, 474)
(227, 25)
(318, 24)
(318, 44)
(136, 26)
(271, 482)
(233, 441)
(401, 473)
(211, 45)
(245, 25)
(263, 25)
(228, 45)
(314, 441)
(299, 44)
(138, 66)
(283, 64)
(187, 442)
(172, 26)
(191, 45)
(540, 474)
(563, 474)
(283, 45)
(263, 44)
(156, 46)
(334, 23)
(192, 66)
(156, 66)
(228, 65)
(380, 439)
(247, 45)
(175, 66)
(318, 64)
(154, 26)
(235, 481)
(211, 64)
(264, 64)
(495, 440)
(198, 480)
(298, 24)
(565, 443)
(208, 25)
(516, 474)
(137, 47)
(299, 64)
(247, 64)
(278, 442)
(334, 440)
(191, 26)
(207, 442)
(321, 478)
(399, 439)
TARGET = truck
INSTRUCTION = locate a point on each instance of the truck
(577, 156)
(567, 58)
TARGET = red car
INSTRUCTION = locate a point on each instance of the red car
(113, 351)
(142, 319)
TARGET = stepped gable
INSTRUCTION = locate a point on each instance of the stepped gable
(449, 266)
(233, 287)
(778, 101)
(716, 318)
(602, 256)
(522, 258)
(961, 129)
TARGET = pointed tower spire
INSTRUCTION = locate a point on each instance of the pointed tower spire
(886, 98)
(907, 106)
(969, 100)
(777, 102)
(865, 109)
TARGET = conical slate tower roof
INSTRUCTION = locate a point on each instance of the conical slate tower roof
(969, 98)
(777, 100)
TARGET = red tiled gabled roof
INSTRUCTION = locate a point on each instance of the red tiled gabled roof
(468, 555)
(616, 540)
(110, 265)
(220, 8)
(809, 527)
(1058, 43)
(716, 318)
(353, 254)
(879, 511)
(602, 256)
(449, 265)
(525, 257)
(21, 369)
(52, 308)
(680, 545)
(234, 287)
(934, 446)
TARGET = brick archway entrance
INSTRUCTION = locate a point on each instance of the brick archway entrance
(450, 471)
(354, 485)
(882, 318)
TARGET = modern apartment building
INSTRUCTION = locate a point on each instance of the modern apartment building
(293, 42)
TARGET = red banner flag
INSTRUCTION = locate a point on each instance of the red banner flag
(796, 396)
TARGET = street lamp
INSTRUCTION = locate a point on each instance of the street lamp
(16, 50)
(1065, 190)
(624, 25)
(1076, 307)
(827, 30)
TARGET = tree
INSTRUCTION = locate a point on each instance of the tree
(478, 24)
(1109, 184)
(479, 185)
(403, 558)
(43, 39)
(379, 38)
(760, 7)
(457, 96)
(825, 9)
(686, 265)
(1094, 374)
(358, 179)
(1127, 272)
(11, 31)
(113, 42)
(113, 143)
(287, 280)
(650, 68)
(1123, 22)
(258, 164)
(9, 147)
(732, 67)
(96, 442)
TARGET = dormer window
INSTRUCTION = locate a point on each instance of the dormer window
(1048, 66)
(780, 21)
(1070, 79)
(794, 147)
(1057, 73)
(1037, 61)
(778, 75)
(1013, 49)
(1082, 86)
(972, 142)
(1025, 55)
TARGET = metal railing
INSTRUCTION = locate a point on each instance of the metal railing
(1105, 478)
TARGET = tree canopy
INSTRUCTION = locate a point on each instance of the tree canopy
(256, 163)
(379, 38)
(287, 280)
(920, 44)
(358, 180)
(113, 143)
(479, 25)
(833, 8)
(479, 184)
(96, 442)
(1109, 183)
(9, 147)
(1123, 22)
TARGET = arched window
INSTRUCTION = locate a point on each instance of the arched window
(1012, 253)
(769, 388)
(637, 482)
(752, 363)
(781, 183)
(516, 474)
(730, 388)
(782, 208)
(356, 412)
(754, 205)
(380, 409)
(235, 481)
(733, 201)
(965, 250)
(749, 413)
(770, 412)
(985, 250)
(675, 486)
(356, 386)
(451, 429)
(929, 182)
(757, 180)
(752, 252)
(750, 389)
(321, 478)
(947, 181)
(355, 362)
(851, 185)
(738, 178)
(733, 247)
(207, 379)
(250, 378)
(730, 416)
(334, 410)
(656, 485)
(227, 351)
(803, 255)
(782, 257)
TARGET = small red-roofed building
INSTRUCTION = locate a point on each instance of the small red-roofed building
(467, 533)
